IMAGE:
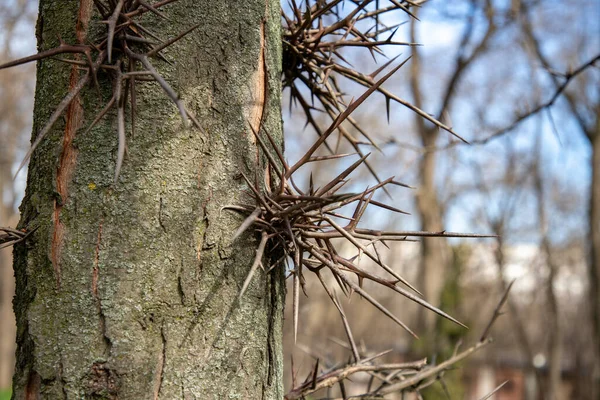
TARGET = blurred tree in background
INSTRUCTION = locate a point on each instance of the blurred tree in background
(522, 85)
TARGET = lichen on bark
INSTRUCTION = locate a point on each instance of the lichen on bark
(140, 301)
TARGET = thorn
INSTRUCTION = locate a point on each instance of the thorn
(247, 223)
(112, 24)
(53, 118)
(257, 261)
(295, 305)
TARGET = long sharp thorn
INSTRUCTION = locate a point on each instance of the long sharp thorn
(358, 245)
(276, 148)
(62, 49)
(363, 208)
(121, 134)
(366, 82)
(151, 8)
(294, 372)
(314, 375)
(115, 97)
(402, 184)
(247, 223)
(341, 176)
(259, 253)
(388, 207)
(163, 83)
(54, 117)
(404, 8)
(373, 74)
(497, 312)
(171, 41)
(295, 305)
(265, 149)
(494, 391)
(331, 157)
(101, 8)
(425, 304)
(389, 39)
(101, 114)
(351, 107)
(194, 120)
(360, 291)
(333, 296)
(387, 108)
(112, 24)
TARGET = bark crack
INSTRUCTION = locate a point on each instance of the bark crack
(95, 278)
(159, 373)
(61, 369)
(180, 286)
(160, 212)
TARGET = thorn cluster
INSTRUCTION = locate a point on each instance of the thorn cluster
(10, 236)
(303, 224)
(314, 36)
(123, 52)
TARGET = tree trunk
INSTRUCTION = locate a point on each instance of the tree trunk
(594, 260)
(554, 329)
(434, 251)
(129, 291)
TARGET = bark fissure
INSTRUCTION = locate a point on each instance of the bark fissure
(162, 356)
(160, 215)
(180, 290)
(63, 385)
(34, 385)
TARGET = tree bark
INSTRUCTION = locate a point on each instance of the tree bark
(594, 259)
(129, 291)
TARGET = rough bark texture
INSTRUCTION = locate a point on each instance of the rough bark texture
(129, 291)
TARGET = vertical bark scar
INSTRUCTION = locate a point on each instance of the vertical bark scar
(68, 157)
(159, 373)
(259, 87)
(34, 386)
(160, 212)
